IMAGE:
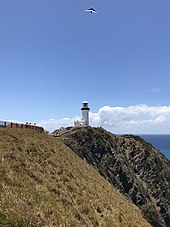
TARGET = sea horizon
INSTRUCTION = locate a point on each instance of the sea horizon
(160, 141)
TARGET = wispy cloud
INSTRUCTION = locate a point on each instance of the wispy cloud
(138, 119)
(155, 90)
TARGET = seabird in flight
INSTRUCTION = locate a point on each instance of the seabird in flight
(91, 10)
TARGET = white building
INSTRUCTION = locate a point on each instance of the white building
(85, 115)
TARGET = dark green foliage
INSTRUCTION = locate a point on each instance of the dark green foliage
(151, 214)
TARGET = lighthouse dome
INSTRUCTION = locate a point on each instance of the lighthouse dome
(85, 101)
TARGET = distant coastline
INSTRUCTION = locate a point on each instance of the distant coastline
(160, 142)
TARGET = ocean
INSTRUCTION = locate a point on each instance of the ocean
(160, 142)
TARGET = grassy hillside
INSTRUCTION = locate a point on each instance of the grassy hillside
(44, 183)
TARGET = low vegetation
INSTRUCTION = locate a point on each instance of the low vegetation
(130, 164)
(44, 183)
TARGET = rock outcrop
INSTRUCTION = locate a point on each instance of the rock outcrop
(132, 165)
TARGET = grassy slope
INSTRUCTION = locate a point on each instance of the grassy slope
(43, 183)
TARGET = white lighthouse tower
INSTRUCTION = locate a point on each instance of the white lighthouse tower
(85, 115)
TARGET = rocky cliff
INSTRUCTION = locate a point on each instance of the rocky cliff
(132, 165)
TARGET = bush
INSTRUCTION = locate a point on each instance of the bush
(152, 215)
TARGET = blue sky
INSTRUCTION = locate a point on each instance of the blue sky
(53, 54)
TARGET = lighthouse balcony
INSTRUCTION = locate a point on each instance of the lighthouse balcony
(85, 108)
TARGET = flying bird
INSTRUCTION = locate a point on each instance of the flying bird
(91, 10)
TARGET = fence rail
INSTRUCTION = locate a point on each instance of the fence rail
(7, 124)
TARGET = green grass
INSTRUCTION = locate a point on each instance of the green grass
(44, 183)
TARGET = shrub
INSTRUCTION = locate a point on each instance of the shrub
(151, 214)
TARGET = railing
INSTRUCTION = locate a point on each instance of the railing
(7, 124)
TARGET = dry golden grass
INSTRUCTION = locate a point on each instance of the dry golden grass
(44, 183)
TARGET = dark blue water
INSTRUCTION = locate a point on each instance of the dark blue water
(161, 142)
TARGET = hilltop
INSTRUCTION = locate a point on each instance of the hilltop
(130, 164)
(44, 183)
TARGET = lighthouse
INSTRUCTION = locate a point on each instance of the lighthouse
(85, 115)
